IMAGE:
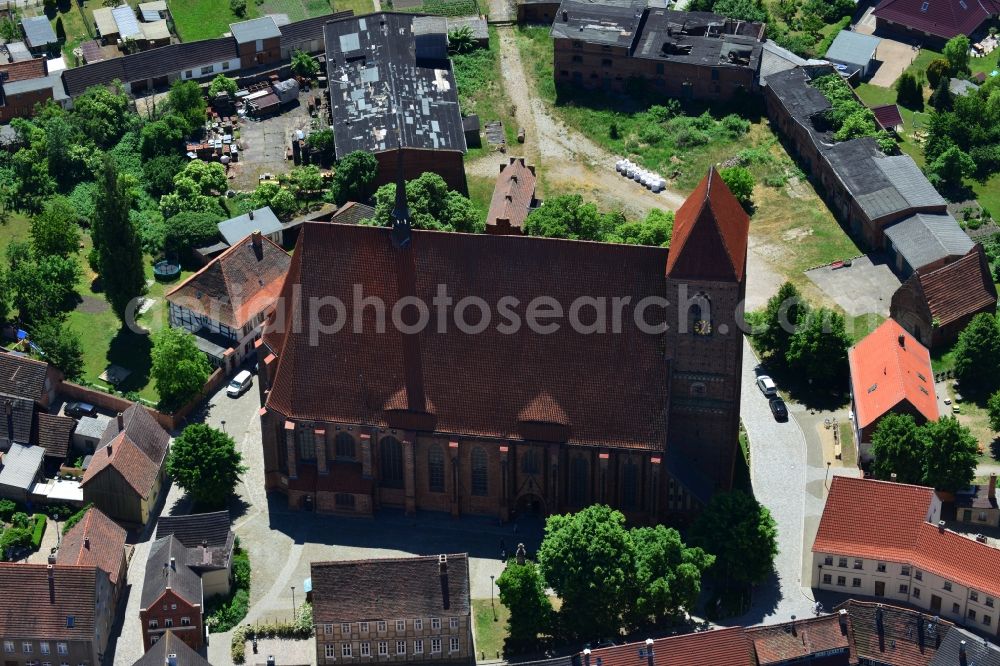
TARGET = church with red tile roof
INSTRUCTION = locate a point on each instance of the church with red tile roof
(531, 392)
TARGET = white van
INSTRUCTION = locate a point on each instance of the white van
(241, 382)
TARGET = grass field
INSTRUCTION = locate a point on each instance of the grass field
(490, 634)
(206, 19)
(481, 90)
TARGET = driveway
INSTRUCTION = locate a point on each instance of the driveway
(866, 286)
(893, 57)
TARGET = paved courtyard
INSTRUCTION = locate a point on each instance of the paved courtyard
(866, 286)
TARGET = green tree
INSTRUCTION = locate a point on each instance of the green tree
(977, 356)
(162, 137)
(942, 99)
(179, 368)
(185, 100)
(585, 556)
(742, 535)
(952, 454)
(522, 592)
(668, 575)
(818, 349)
(655, 230)
(432, 206)
(60, 28)
(222, 84)
(39, 286)
(102, 113)
(461, 40)
(205, 463)
(936, 70)
(304, 65)
(279, 199)
(160, 172)
(898, 448)
(740, 182)
(992, 409)
(567, 216)
(950, 169)
(306, 181)
(33, 182)
(196, 188)
(956, 52)
(782, 316)
(61, 346)
(238, 8)
(56, 231)
(116, 240)
(4, 296)
(909, 92)
(354, 179)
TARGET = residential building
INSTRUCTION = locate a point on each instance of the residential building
(355, 421)
(536, 11)
(258, 41)
(892, 636)
(963, 648)
(890, 373)
(262, 220)
(88, 432)
(934, 22)
(97, 541)
(54, 434)
(209, 541)
(172, 596)
(821, 641)
(55, 613)
(728, 646)
(39, 36)
(126, 473)
(978, 504)
(689, 55)
(171, 651)
(424, 616)
(513, 198)
(20, 468)
(226, 303)
(420, 119)
(936, 305)
(26, 386)
(25, 83)
(855, 51)
(886, 540)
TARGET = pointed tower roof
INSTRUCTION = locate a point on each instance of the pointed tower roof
(710, 234)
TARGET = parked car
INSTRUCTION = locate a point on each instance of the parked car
(778, 409)
(241, 382)
(78, 409)
(766, 385)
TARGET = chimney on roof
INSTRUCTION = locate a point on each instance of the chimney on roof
(257, 240)
(879, 627)
(520, 554)
(9, 409)
(649, 651)
(52, 556)
(941, 526)
(173, 564)
(250, 214)
(52, 583)
(792, 626)
(270, 661)
(902, 341)
(121, 421)
(86, 542)
(993, 486)
(565, 15)
(586, 656)
(842, 617)
(443, 574)
(108, 447)
(513, 178)
(893, 477)
(171, 660)
(961, 652)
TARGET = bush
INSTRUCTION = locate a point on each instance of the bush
(13, 538)
(238, 7)
(7, 509)
(735, 125)
(652, 134)
(689, 138)
(75, 518)
(241, 569)
(38, 532)
(293, 630)
(223, 614)
(20, 520)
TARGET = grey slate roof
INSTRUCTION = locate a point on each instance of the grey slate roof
(925, 238)
(610, 22)
(128, 24)
(264, 27)
(22, 413)
(206, 536)
(160, 574)
(666, 33)
(293, 34)
(18, 52)
(853, 48)
(53, 81)
(38, 31)
(776, 59)
(237, 228)
(169, 644)
(22, 377)
(92, 427)
(383, 91)
(21, 465)
(978, 651)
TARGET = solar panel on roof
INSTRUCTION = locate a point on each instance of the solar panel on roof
(924, 6)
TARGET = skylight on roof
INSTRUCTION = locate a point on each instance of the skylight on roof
(924, 6)
(962, 3)
(872, 387)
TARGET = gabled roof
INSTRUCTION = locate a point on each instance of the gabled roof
(353, 590)
(169, 644)
(128, 24)
(235, 286)
(54, 434)
(942, 18)
(926, 238)
(21, 70)
(885, 373)
(38, 31)
(960, 288)
(166, 568)
(978, 651)
(238, 228)
(254, 29)
(34, 606)
(21, 465)
(22, 377)
(728, 646)
(887, 116)
(193, 530)
(512, 195)
(307, 30)
(95, 541)
(19, 421)
(710, 234)
(892, 636)
(125, 457)
(143, 430)
(780, 643)
(853, 48)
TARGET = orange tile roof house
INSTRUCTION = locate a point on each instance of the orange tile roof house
(890, 372)
(226, 302)
(513, 198)
(97, 541)
(728, 646)
(935, 306)
(881, 539)
(126, 473)
(791, 642)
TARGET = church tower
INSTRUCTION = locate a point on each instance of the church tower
(706, 282)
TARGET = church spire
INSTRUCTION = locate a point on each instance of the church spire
(401, 228)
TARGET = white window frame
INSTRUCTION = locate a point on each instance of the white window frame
(383, 648)
(435, 623)
(345, 627)
(331, 651)
(366, 649)
(453, 622)
(27, 647)
(62, 648)
(8, 647)
(346, 650)
(43, 647)
(400, 625)
(454, 644)
(435, 646)
(364, 627)
(418, 646)
(418, 625)
(154, 624)
(382, 625)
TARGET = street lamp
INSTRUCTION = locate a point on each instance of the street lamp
(224, 426)
(492, 605)
(293, 603)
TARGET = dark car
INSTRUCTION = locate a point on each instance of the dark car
(778, 409)
(78, 409)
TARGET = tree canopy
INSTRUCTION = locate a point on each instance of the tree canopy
(741, 534)
(304, 65)
(354, 179)
(222, 84)
(102, 114)
(205, 463)
(819, 348)
(116, 242)
(951, 454)
(977, 356)
(956, 52)
(740, 182)
(55, 231)
(432, 206)
(522, 592)
(60, 345)
(179, 368)
(185, 100)
(898, 448)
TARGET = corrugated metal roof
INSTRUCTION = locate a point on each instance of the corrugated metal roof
(38, 31)
(909, 180)
(153, 11)
(853, 48)
(236, 229)
(104, 19)
(21, 465)
(18, 51)
(128, 24)
(254, 29)
(925, 238)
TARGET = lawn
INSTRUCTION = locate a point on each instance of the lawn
(359, 7)
(490, 634)
(848, 453)
(481, 90)
(207, 19)
(481, 192)
(859, 327)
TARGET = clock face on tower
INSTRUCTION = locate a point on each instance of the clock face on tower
(702, 327)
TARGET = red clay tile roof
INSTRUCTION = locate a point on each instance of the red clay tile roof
(128, 460)
(169, 644)
(54, 433)
(884, 374)
(943, 18)
(143, 430)
(32, 608)
(237, 284)
(609, 390)
(887, 116)
(960, 288)
(95, 541)
(777, 643)
(891, 635)
(710, 234)
(23, 70)
(728, 646)
(880, 520)
(355, 590)
(512, 195)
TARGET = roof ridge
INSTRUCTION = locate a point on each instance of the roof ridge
(716, 217)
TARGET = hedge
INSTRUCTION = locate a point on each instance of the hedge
(824, 45)
(38, 532)
(75, 518)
